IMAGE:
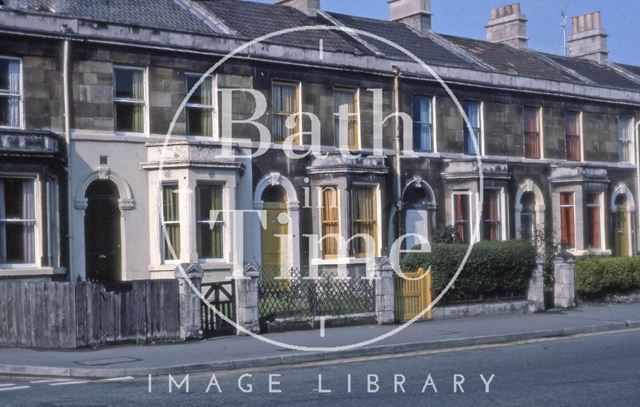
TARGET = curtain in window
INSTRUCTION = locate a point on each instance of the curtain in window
(572, 127)
(472, 109)
(567, 220)
(624, 139)
(284, 104)
(3, 228)
(422, 124)
(171, 221)
(210, 231)
(14, 89)
(593, 219)
(532, 132)
(491, 215)
(347, 97)
(138, 94)
(461, 217)
(29, 215)
(330, 223)
(364, 220)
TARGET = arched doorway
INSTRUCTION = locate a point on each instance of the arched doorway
(276, 256)
(530, 208)
(418, 209)
(102, 232)
(622, 227)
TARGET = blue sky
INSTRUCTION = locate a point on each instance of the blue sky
(621, 19)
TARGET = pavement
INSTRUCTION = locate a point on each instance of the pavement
(234, 352)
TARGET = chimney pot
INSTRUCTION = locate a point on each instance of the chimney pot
(414, 13)
(588, 40)
(309, 7)
(509, 26)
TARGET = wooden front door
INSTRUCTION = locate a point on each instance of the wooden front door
(413, 295)
(275, 249)
(102, 233)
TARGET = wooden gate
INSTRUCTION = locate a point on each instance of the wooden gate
(413, 295)
(221, 296)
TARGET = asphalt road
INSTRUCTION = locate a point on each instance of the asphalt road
(598, 370)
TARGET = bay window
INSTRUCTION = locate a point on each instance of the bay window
(285, 102)
(171, 222)
(625, 137)
(200, 110)
(573, 136)
(209, 221)
(473, 112)
(365, 214)
(349, 98)
(567, 219)
(462, 216)
(10, 92)
(422, 124)
(129, 101)
(330, 222)
(17, 222)
(532, 139)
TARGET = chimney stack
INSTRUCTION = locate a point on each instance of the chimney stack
(414, 13)
(508, 26)
(588, 39)
(309, 7)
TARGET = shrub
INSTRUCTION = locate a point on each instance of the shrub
(493, 270)
(597, 277)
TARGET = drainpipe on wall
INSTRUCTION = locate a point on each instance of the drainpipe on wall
(66, 51)
(398, 149)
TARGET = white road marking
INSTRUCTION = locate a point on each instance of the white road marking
(14, 388)
(118, 379)
(66, 383)
(7, 385)
(49, 381)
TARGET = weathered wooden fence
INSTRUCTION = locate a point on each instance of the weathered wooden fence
(71, 315)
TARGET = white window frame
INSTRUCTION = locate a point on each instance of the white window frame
(213, 107)
(356, 91)
(163, 222)
(630, 143)
(225, 237)
(20, 96)
(37, 228)
(145, 110)
(298, 86)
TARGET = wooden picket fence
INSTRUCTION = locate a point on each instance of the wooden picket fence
(80, 314)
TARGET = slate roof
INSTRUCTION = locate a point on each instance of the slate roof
(248, 20)
(162, 14)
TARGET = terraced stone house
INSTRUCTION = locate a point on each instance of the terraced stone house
(89, 90)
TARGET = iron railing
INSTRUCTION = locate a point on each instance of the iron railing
(303, 298)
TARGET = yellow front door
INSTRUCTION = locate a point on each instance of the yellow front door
(275, 247)
(622, 230)
(413, 295)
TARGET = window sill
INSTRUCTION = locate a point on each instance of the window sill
(31, 271)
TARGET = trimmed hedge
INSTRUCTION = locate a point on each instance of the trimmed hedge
(597, 277)
(495, 269)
